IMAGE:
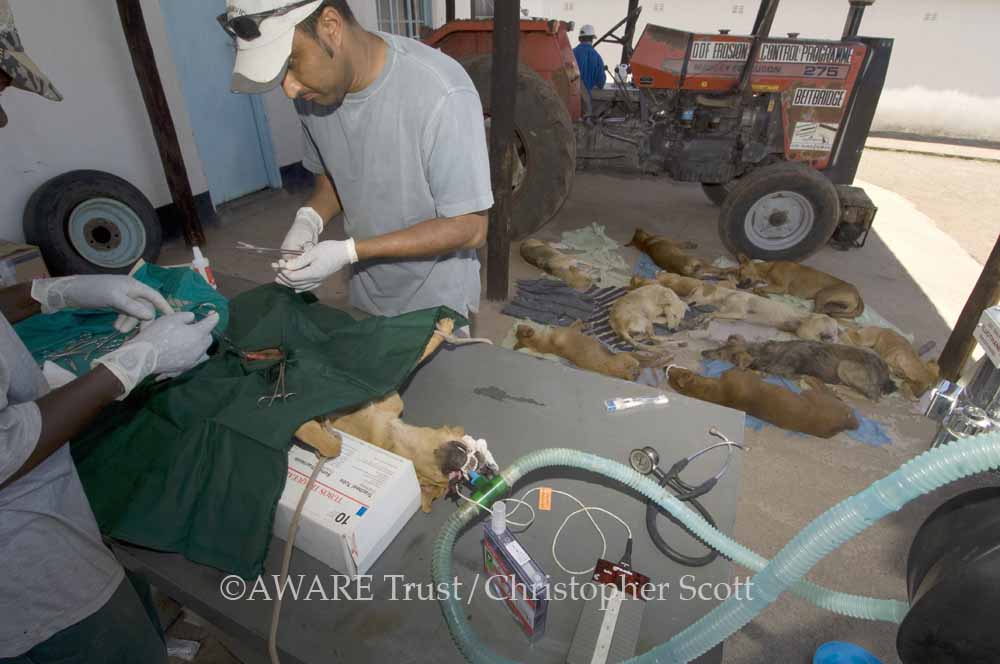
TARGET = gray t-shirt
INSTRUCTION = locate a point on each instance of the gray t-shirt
(54, 569)
(410, 147)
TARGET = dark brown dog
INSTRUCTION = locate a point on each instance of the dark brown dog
(831, 363)
(669, 255)
(832, 296)
(816, 411)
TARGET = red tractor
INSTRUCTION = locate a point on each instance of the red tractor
(773, 128)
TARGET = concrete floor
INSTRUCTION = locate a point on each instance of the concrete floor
(911, 271)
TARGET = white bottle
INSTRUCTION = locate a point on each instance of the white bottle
(202, 266)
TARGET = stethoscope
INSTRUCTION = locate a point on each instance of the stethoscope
(646, 460)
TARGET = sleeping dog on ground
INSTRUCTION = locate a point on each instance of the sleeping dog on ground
(831, 363)
(669, 255)
(897, 352)
(738, 305)
(832, 296)
(683, 286)
(815, 411)
(633, 315)
(586, 352)
(545, 257)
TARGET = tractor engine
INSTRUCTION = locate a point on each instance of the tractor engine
(692, 137)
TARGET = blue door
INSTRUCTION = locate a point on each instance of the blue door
(230, 130)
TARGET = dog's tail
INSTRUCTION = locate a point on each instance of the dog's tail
(841, 308)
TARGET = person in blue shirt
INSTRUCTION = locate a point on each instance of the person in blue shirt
(591, 66)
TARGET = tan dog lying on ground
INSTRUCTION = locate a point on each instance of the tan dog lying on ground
(683, 286)
(835, 364)
(816, 411)
(543, 256)
(669, 255)
(585, 352)
(633, 315)
(832, 296)
(739, 305)
(917, 375)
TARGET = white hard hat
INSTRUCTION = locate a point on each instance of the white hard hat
(587, 30)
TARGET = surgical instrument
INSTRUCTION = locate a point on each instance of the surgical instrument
(246, 246)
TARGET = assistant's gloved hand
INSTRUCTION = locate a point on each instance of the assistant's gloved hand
(133, 299)
(169, 345)
(306, 272)
(305, 231)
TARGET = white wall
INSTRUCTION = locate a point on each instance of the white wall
(102, 122)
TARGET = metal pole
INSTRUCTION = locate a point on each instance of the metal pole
(449, 11)
(627, 40)
(961, 343)
(853, 25)
(503, 92)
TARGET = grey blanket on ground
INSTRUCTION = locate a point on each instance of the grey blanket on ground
(550, 302)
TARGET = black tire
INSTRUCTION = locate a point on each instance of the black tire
(717, 193)
(121, 224)
(547, 145)
(790, 184)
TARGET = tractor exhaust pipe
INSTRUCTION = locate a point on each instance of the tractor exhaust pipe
(854, 16)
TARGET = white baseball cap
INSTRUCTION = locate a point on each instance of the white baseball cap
(587, 30)
(269, 28)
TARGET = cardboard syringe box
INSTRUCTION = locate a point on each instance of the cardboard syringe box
(987, 333)
(359, 503)
(20, 263)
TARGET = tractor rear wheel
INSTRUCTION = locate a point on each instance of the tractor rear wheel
(717, 192)
(545, 142)
(785, 211)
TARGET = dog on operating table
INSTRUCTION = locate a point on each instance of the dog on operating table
(832, 296)
(548, 259)
(738, 305)
(669, 254)
(898, 353)
(683, 286)
(816, 411)
(586, 352)
(833, 364)
(632, 316)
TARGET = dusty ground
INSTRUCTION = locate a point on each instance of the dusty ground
(958, 194)
(787, 480)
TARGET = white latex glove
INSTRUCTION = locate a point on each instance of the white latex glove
(169, 346)
(305, 231)
(306, 272)
(133, 299)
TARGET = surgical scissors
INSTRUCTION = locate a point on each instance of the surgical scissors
(280, 390)
(246, 246)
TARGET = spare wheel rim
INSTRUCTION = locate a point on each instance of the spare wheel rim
(779, 221)
(107, 233)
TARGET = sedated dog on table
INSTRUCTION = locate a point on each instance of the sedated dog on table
(832, 296)
(816, 411)
(833, 364)
(633, 315)
(441, 456)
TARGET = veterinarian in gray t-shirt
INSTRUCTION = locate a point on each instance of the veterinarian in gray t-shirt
(398, 126)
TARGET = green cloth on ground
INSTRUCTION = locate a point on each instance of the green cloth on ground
(48, 334)
(194, 466)
(602, 256)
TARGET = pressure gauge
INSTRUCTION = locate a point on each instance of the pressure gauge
(644, 460)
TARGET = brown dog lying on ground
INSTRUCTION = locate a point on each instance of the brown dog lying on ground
(739, 305)
(816, 411)
(834, 364)
(669, 255)
(633, 315)
(543, 256)
(832, 296)
(685, 287)
(897, 352)
(585, 352)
